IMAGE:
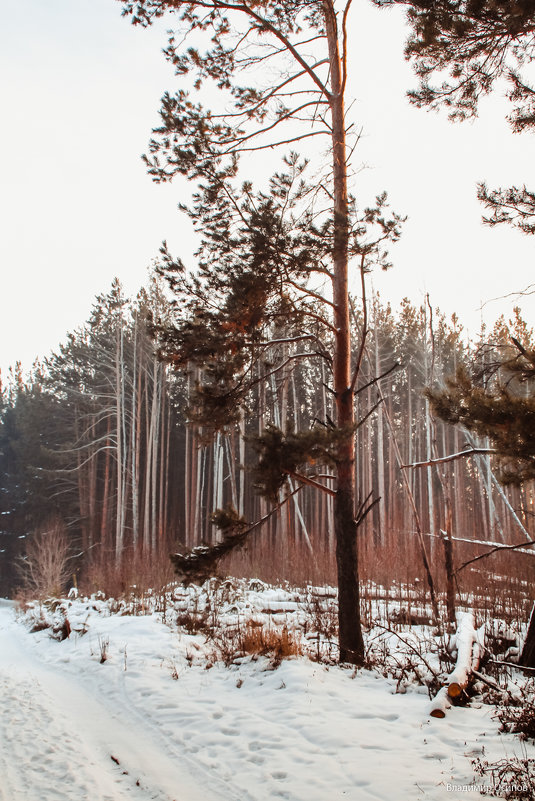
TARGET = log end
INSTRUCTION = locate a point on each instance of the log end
(438, 713)
(454, 690)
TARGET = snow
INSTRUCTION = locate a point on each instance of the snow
(464, 640)
(160, 719)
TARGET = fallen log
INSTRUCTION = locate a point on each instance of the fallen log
(469, 642)
(440, 704)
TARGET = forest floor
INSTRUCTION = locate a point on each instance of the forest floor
(164, 718)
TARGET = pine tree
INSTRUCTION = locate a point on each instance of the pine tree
(460, 50)
(497, 402)
(253, 310)
(278, 64)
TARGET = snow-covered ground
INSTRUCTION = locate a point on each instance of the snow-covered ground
(161, 720)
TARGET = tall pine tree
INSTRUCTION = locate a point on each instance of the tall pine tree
(281, 70)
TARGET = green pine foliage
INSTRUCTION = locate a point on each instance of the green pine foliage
(202, 561)
(474, 43)
(461, 50)
(497, 402)
(284, 454)
(257, 253)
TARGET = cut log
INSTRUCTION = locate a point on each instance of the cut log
(469, 651)
(440, 704)
(470, 646)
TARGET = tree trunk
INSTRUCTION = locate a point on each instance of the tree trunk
(135, 440)
(527, 658)
(380, 538)
(350, 631)
(119, 411)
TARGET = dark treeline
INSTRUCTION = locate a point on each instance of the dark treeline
(97, 439)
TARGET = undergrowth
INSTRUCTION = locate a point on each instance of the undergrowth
(233, 643)
(516, 711)
(512, 778)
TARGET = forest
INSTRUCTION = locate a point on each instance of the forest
(266, 405)
(100, 440)
(263, 532)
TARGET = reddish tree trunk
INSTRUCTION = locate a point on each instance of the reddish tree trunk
(350, 631)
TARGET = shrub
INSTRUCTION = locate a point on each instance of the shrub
(512, 778)
(44, 569)
(517, 713)
(252, 639)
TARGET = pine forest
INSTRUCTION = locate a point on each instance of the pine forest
(101, 441)
(266, 530)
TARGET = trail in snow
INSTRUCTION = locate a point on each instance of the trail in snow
(62, 740)
(181, 729)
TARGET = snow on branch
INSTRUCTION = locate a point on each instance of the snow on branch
(452, 457)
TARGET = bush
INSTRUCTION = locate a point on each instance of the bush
(44, 569)
(512, 778)
(517, 713)
(251, 639)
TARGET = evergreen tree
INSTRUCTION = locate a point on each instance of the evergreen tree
(31, 433)
(277, 64)
(460, 50)
(497, 401)
(255, 307)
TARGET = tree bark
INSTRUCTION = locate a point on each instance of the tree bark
(350, 631)
(527, 658)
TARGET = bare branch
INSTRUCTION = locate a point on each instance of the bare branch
(452, 457)
(494, 550)
(377, 378)
(311, 483)
(243, 7)
(276, 144)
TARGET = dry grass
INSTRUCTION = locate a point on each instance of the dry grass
(138, 576)
(263, 641)
(251, 639)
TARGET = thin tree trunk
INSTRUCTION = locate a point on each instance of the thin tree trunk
(135, 440)
(104, 519)
(241, 451)
(119, 411)
(155, 425)
(380, 450)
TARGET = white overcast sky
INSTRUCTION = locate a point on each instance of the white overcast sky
(80, 93)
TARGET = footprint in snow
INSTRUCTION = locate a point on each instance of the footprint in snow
(230, 732)
(254, 745)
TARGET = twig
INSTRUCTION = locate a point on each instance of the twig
(412, 648)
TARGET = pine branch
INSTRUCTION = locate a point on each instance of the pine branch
(202, 562)
(310, 482)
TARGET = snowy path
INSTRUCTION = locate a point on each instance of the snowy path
(57, 739)
(147, 725)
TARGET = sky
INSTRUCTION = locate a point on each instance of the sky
(79, 98)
